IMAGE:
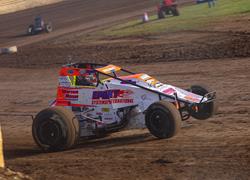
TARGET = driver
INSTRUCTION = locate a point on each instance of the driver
(86, 80)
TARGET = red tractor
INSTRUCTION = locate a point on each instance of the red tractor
(168, 7)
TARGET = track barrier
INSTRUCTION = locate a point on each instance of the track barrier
(8, 50)
(2, 165)
(145, 17)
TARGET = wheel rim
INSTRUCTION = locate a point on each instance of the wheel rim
(50, 132)
(159, 120)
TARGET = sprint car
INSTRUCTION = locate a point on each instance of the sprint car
(39, 26)
(94, 100)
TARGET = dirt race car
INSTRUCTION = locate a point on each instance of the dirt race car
(39, 26)
(94, 100)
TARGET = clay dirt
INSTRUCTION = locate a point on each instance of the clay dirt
(218, 148)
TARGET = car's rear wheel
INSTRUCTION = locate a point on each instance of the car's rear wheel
(205, 110)
(55, 129)
(163, 119)
(48, 28)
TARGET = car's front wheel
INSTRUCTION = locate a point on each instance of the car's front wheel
(31, 30)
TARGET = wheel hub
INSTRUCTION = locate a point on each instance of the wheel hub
(50, 132)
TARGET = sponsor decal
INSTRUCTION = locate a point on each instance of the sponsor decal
(116, 96)
(113, 101)
(69, 91)
(105, 110)
(109, 70)
(70, 94)
(108, 119)
(169, 91)
(130, 81)
(190, 98)
(82, 71)
(64, 81)
(144, 76)
(152, 82)
(158, 84)
(108, 94)
(99, 113)
(71, 97)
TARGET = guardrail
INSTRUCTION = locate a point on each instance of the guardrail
(2, 164)
(8, 50)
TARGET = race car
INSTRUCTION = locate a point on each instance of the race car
(39, 26)
(94, 100)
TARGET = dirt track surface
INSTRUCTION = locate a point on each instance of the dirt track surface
(218, 148)
(215, 149)
(68, 16)
(181, 46)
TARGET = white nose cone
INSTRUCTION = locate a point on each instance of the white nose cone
(145, 17)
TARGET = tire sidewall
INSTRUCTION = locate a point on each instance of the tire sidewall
(206, 110)
(172, 121)
(48, 28)
(69, 131)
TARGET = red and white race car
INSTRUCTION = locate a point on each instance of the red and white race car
(94, 100)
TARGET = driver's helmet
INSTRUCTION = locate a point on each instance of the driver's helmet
(91, 78)
(86, 80)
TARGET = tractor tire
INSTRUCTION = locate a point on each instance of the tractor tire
(161, 14)
(206, 110)
(55, 129)
(163, 120)
(48, 28)
(176, 12)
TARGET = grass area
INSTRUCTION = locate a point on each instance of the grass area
(192, 17)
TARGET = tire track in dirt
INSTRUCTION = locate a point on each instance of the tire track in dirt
(138, 50)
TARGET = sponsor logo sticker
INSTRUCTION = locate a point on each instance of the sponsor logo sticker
(116, 96)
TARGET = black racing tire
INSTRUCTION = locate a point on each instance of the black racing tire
(205, 110)
(48, 28)
(163, 120)
(31, 30)
(55, 129)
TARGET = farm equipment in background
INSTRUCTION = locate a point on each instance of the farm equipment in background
(168, 7)
(39, 26)
(201, 1)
